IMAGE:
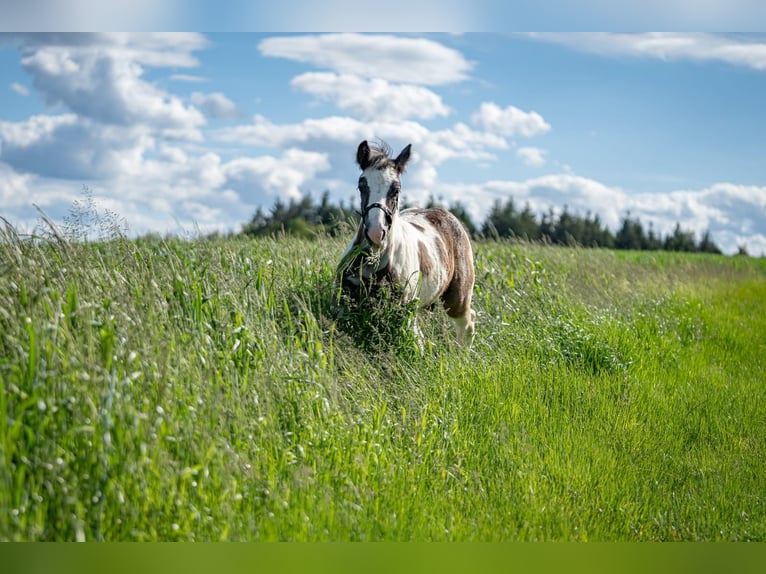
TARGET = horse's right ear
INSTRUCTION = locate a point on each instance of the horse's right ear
(363, 155)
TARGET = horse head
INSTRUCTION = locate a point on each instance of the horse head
(379, 187)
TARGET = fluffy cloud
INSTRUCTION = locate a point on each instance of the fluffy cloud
(460, 140)
(723, 206)
(106, 87)
(215, 105)
(14, 187)
(338, 136)
(70, 147)
(191, 78)
(666, 46)
(275, 177)
(166, 49)
(264, 133)
(19, 89)
(35, 129)
(509, 121)
(733, 213)
(391, 58)
(171, 192)
(374, 98)
(532, 156)
(99, 76)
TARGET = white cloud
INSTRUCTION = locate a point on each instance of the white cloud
(458, 141)
(392, 58)
(372, 98)
(165, 49)
(215, 105)
(734, 214)
(722, 206)
(173, 191)
(99, 76)
(264, 133)
(35, 129)
(189, 176)
(338, 136)
(71, 147)
(666, 46)
(191, 78)
(509, 121)
(532, 156)
(283, 176)
(14, 187)
(107, 88)
(19, 89)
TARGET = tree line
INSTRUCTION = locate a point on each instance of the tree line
(306, 217)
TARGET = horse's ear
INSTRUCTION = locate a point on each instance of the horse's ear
(401, 161)
(363, 155)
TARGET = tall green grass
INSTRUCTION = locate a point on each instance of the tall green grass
(213, 390)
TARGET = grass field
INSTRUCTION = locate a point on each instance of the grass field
(201, 390)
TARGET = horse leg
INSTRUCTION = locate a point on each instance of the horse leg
(464, 327)
(457, 302)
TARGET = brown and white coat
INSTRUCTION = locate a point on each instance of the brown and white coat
(426, 253)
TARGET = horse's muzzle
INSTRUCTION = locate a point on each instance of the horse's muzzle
(377, 231)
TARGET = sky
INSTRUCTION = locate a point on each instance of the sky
(187, 132)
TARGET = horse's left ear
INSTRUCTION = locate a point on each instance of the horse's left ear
(401, 161)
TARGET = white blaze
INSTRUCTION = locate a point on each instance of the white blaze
(379, 182)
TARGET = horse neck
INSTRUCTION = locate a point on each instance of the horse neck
(394, 243)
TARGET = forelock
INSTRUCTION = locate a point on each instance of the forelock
(380, 156)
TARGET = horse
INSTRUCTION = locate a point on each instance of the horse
(425, 254)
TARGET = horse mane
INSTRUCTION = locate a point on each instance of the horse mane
(380, 155)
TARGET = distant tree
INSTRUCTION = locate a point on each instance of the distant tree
(594, 233)
(742, 250)
(306, 218)
(433, 202)
(302, 217)
(630, 235)
(567, 229)
(547, 223)
(706, 244)
(499, 222)
(459, 211)
(527, 225)
(680, 240)
(653, 241)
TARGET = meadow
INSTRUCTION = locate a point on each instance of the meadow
(213, 389)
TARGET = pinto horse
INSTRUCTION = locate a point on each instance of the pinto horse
(425, 253)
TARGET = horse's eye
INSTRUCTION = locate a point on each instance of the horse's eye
(393, 191)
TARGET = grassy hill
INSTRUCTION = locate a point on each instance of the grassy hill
(203, 390)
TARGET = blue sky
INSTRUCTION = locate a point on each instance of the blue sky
(176, 132)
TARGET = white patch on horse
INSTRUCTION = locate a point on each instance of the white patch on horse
(378, 179)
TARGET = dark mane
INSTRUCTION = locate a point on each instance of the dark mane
(380, 155)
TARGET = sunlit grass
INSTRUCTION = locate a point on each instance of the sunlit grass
(212, 390)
